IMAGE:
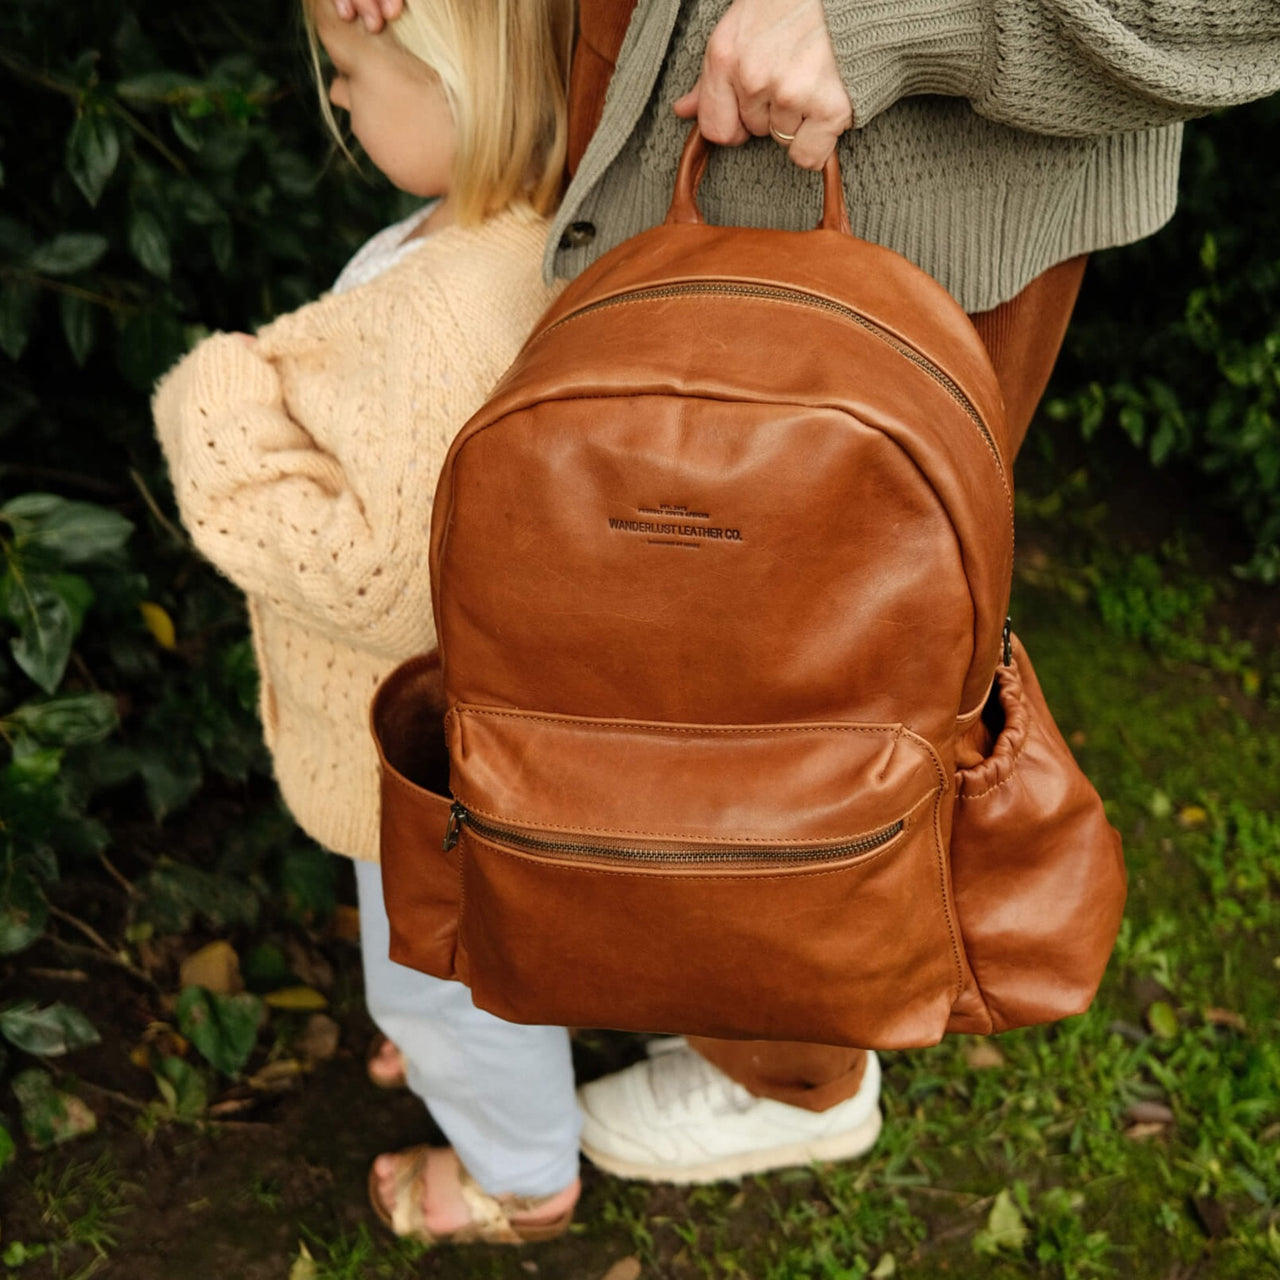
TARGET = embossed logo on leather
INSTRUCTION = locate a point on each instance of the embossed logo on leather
(673, 524)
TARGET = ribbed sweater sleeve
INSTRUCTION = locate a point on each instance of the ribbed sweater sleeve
(1073, 68)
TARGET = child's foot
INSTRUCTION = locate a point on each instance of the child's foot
(424, 1193)
(385, 1064)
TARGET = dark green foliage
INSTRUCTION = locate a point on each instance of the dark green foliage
(223, 1028)
(164, 174)
(1176, 345)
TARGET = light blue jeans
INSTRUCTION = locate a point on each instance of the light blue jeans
(501, 1093)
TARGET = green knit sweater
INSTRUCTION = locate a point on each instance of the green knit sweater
(992, 139)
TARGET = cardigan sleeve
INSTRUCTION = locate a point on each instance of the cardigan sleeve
(1067, 67)
(305, 464)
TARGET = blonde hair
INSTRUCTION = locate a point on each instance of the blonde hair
(504, 68)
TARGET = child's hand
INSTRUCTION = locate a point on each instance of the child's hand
(373, 13)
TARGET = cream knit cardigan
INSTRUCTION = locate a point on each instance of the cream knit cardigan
(305, 467)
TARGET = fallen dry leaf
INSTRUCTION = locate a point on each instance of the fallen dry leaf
(1150, 1113)
(215, 967)
(159, 623)
(624, 1269)
(1140, 1132)
(345, 923)
(1225, 1018)
(296, 998)
(233, 1107)
(319, 1039)
(982, 1055)
(277, 1076)
(1212, 1215)
(304, 1266)
(159, 1040)
(310, 966)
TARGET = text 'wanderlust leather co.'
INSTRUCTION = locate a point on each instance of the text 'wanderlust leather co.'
(670, 525)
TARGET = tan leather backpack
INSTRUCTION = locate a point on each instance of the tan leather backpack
(721, 575)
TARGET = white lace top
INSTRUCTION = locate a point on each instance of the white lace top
(383, 250)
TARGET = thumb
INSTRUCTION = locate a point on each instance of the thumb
(687, 107)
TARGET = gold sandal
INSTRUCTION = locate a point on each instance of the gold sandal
(490, 1221)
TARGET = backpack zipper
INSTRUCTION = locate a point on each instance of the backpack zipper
(459, 815)
(801, 297)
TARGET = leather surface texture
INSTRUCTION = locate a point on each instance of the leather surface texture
(720, 576)
(1038, 870)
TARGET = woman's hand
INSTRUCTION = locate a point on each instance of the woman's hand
(373, 13)
(769, 68)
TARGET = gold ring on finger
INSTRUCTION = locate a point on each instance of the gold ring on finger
(784, 138)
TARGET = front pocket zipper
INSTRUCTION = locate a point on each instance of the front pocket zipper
(678, 853)
(780, 293)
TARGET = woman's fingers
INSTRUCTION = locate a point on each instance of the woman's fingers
(770, 69)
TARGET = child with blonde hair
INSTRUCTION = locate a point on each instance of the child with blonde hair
(304, 462)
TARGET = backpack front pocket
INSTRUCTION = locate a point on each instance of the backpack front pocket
(780, 881)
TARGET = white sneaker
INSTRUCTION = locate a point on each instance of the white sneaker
(676, 1118)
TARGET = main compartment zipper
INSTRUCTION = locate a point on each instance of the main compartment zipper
(460, 815)
(741, 289)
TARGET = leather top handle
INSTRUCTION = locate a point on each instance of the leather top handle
(693, 167)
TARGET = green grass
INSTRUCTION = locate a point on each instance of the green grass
(82, 1205)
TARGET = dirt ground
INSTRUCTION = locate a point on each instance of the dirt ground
(235, 1196)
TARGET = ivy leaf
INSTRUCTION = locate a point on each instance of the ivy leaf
(22, 914)
(171, 776)
(66, 720)
(1006, 1228)
(93, 151)
(307, 883)
(68, 253)
(49, 1115)
(174, 894)
(187, 133)
(75, 532)
(49, 1032)
(1163, 1019)
(7, 1148)
(156, 86)
(48, 611)
(33, 767)
(223, 1028)
(77, 326)
(149, 343)
(182, 1088)
(17, 311)
(149, 243)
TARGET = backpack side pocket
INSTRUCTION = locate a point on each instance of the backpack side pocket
(420, 878)
(1037, 870)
